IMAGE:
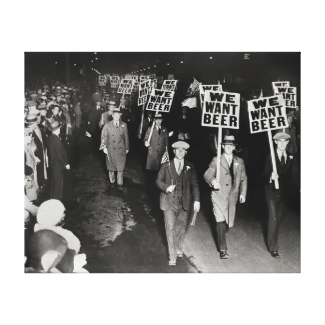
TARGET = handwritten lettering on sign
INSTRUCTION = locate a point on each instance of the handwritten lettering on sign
(267, 113)
(125, 86)
(144, 91)
(169, 85)
(289, 94)
(282, 84)
(160, 100)
(114, 80)
(204, 88)
(221, 109)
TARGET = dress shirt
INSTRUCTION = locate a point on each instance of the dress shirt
(229, 159)
(279, 152)
(176, 162)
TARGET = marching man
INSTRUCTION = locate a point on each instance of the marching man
(177, 181)
(157, 144)
(224, 196)
(287, 172)
(115, 144)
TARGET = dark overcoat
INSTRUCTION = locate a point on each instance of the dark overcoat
(157, 148)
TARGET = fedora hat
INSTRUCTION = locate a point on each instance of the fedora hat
(117, 110)
(31, 118)
(55, 125)
(229, 139)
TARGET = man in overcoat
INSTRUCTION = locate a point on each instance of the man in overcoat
(224, 196)
(157, 145)
(178, 182)
(287, 172)
(58, 161)
(115, 144)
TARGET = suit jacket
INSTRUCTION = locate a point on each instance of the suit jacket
(157, 148)
(117, 142)
(57, 154)
(287, 175)
(227, 197)
(166, 174)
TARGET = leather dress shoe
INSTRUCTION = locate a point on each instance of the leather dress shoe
(275, 254)
(224, 255)
(122, 188)
(111, 184)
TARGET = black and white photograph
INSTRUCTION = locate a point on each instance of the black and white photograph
(171, 161)
(162, 162)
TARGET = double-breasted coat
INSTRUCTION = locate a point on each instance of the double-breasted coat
(157, 148)
(167, 176)
(225, 200)
(116, 140)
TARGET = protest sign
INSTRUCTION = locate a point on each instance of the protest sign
(114, 80)
(267, 113)
(280, 84)
(101, 81)
(160, 100)
(204, 88)
(169, 85)
(194, 88)
(144, 91)
(289, 94)
(221, 109)
(125, 86)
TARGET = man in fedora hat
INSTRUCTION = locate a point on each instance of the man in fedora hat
(157, 145)
(178, 182)
(115, 144)
(225, 193)
(58, 161)
(287, 172)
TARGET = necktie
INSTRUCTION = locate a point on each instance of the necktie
(179, 168)
(159, 130)
(283, 161)
(116, 125)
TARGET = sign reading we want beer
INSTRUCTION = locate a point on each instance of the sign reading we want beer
(267, 113)
(160, 100)
(221, 109)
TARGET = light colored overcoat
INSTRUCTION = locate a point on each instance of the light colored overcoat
(116, 140)
(225, 200)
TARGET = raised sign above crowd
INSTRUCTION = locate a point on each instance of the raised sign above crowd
(169, 85)
(160, 100)
(267, 113)
(221, 109)
(125, 86)
(114, 80)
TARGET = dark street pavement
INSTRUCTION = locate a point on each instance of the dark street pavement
(124, 232)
